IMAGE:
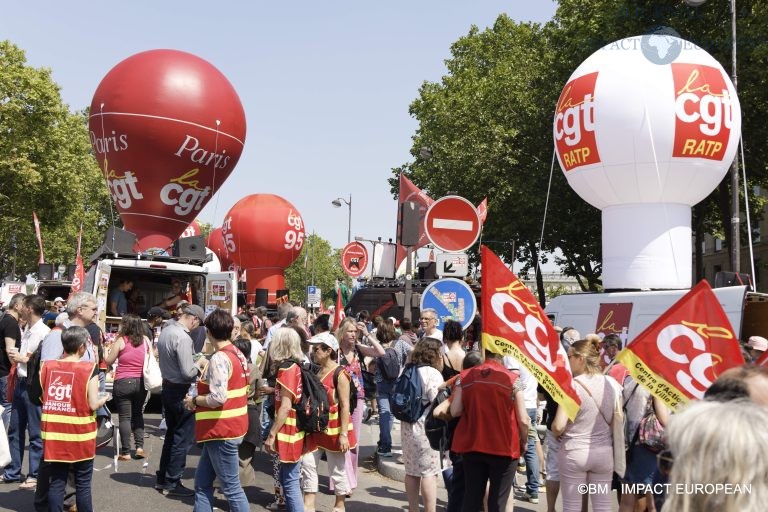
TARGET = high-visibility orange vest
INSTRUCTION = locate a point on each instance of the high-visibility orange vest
(329, 439)
(68, 424)
(229, 421)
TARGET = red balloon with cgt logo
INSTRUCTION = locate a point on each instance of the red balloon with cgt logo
(264, 234)
(167, 129)
(215, 242)
(192, 230)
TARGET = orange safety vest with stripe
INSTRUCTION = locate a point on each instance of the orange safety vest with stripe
(329, 439)
(230, 421)
(68, 424)
(290, 443)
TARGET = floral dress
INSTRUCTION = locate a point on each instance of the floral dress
(419, 458)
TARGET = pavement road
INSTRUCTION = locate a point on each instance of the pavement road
(129, 488)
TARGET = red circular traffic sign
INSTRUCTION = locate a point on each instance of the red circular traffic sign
(354, 259)
(452, 224)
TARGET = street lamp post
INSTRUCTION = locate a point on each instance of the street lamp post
(337, 204)
(735, 241)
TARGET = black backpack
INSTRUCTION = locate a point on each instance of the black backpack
(352, 388)
(389, 364)
(313, 408)
(439, 432)
(406, 399)
(34, 386)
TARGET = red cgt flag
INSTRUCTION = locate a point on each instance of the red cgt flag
(79, 279)
(679, 355)
(515, 325)
(338, 312)
(410, 192)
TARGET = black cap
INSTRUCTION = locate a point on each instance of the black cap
(158, 312)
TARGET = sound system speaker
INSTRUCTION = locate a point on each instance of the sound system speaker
(410, 223)
(71, 269)
(427, 271)
(262, 297)
(119, 241)
(723, 279)
(189, 247)
(45, 271)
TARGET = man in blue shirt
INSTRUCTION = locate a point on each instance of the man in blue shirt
(118, 299)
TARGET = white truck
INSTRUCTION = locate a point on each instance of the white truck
(152, 277)
(631, 312)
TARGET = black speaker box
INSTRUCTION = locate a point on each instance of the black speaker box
(410, 222)
(71, 269)
(262, 297)
(45, 271)
(119, 241)
(723, 279)
(427, 271)
(189, 247)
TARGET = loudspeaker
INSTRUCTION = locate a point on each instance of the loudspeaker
(189, 247)
(410, 223)
(45, 271)
(427, 271)
(262, 297)
(71, 269)
(119, 241)
(723, 279)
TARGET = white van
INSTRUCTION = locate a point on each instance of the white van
(614, 311)
(152, 280)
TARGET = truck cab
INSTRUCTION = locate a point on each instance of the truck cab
(152, 278)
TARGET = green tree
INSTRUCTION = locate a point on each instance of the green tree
(46, 167)
(317, 259)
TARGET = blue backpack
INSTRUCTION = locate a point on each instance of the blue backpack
(406, 400)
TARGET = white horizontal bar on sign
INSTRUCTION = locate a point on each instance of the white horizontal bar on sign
(460, 225)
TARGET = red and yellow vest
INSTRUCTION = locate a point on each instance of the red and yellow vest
(230, 421)
(68, 424)
(291, 443)
(329, 439)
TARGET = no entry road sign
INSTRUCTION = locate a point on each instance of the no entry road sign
(452, 224)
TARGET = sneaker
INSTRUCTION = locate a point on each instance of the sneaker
(125, 456)
(162, 427)
(275, 505)
(140, 453)
(179, 491)
(159, 487)
(531, 499)
(382, 453)
(7, 480)
(30, 484)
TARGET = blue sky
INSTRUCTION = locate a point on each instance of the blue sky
(325, 85)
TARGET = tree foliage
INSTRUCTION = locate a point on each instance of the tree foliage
(323, 262)
(488, 122)
(46, 167)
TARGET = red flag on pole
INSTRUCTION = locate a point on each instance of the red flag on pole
(679, 355)
(410, 192)
(77, 281)
(482, 210)
(338, 312)
(762, 360)
(515, 325)
(39, 238)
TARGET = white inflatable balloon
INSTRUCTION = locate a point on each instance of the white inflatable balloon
(645, 128)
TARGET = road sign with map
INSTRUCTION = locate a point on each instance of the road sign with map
(453, 299)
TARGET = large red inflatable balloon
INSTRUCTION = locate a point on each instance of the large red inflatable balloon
(167, 129)
(215, 242)
(264, 234)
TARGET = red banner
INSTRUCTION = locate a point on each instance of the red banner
(482, 210)
(410, 192)
(79, 279)
(39, 237)
(515, 325)
(679, 355)
(762, 360)
(338, 311)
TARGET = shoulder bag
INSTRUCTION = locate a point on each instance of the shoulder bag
(153, 379)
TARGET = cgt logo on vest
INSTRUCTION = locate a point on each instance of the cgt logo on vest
(575, 123)
(679, 342)
(58, 394)
(703, 112)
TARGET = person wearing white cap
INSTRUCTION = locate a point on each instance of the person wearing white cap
(339, 437)
(757, 345)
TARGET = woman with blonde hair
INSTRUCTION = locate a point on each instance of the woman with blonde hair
(586, 453)
(707, 451)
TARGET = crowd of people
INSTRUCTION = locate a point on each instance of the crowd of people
(233, 385)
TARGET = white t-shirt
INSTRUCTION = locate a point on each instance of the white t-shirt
(30, 340)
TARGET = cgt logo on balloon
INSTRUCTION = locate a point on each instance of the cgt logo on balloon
(185, 193)
(575, 123)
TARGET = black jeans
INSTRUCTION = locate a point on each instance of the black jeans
(479, 468)
(83, 474)
(456, 489)
(179, 437)
(129, 395)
